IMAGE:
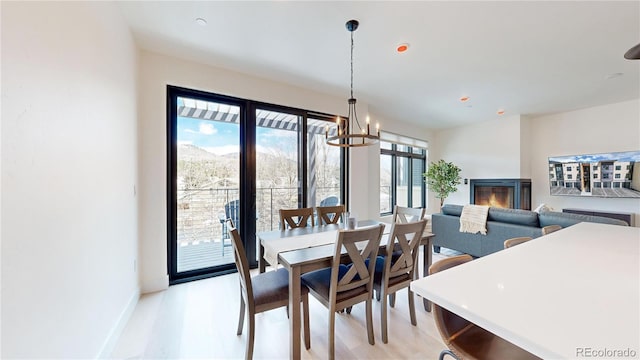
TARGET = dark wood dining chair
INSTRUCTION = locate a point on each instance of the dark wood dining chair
(329, 214)
(516, 241)
(296, 218)
(263, 292)
(394, 273)
(341, 286)
(464, 339)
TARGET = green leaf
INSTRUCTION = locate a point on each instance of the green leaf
(442, 178)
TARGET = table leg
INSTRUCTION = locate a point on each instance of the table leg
(294, 312)
(261, 264)
(427, 259)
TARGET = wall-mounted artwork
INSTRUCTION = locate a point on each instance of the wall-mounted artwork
(611, 175)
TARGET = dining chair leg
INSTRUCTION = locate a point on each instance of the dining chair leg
(372, 341)
(305, 315)
(241, 316)
(383, 318)
(250, 336)
(331, 329)
(412, 307)
(392, 299)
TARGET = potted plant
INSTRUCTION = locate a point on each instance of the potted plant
(442, 178)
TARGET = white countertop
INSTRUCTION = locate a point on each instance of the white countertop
(577, 288)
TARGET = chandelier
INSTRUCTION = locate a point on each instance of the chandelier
(349, 132)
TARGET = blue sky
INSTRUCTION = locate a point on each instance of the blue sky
(618, 156)
(223, 137)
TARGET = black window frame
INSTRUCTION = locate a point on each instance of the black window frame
(409, 154)
(247, 168)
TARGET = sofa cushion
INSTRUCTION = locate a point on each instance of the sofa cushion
(568, 219)
(450, 209)
(513, 216)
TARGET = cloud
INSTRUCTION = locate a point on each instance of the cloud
(207, 129)
(204, 128)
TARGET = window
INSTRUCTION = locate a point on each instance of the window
(595, 167)
(617, 176)
(402, 163)
(568, 168)
(244, 160)
(569, 176)
(595, 176)
(618, 167)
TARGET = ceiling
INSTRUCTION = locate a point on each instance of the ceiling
(527, 58)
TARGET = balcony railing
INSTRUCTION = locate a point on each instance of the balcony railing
(201, 211)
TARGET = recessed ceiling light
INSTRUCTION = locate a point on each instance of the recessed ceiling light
(613, 76)
(201, 21)
(464, 98)
(500, 112)
(402, 48)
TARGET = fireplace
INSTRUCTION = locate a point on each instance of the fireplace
(503, 193)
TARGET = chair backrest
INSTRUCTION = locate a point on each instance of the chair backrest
(550, 228)
(329, 214)
(516, 241)
(232, 210)
(242, 264)
(403, 214)
(448, 323)
(407, 237)
(296, 218)
(330, 201)
(360, 245)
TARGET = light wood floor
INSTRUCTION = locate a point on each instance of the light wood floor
(199, 319)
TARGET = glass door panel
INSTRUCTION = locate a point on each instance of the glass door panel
(277, 166)
(402, 181)
(207, 182)
(417, 183)
(385, 183)
(323, 167)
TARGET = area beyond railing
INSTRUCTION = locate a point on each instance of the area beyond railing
(200, 212)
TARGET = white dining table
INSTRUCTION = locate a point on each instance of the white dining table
(570, 294)
(314, 250)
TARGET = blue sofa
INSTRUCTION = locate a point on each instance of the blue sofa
(502, 224)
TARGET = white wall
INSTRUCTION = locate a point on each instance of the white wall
(609, 128)
(515, 146)
(490, 149)
(69, 215)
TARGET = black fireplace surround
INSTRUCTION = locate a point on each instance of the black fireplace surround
(510, 193)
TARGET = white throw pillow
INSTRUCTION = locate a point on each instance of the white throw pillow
(542, 208)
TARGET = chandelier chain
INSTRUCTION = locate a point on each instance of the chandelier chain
(352, 105)
(352, 64)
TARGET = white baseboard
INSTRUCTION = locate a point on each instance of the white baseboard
(158, 284)
(112, 339)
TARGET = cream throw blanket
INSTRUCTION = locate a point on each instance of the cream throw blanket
(474, 219)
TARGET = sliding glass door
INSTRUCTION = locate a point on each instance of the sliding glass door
(235, 159)
(207, 179)
(277, 166)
